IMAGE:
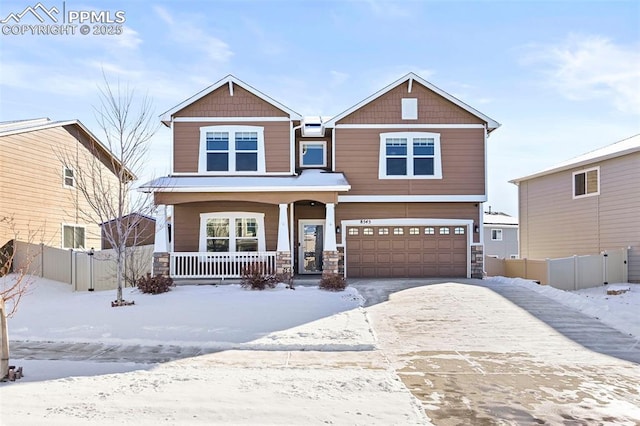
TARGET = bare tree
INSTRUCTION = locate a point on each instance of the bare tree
(128, 125)
(12, 288)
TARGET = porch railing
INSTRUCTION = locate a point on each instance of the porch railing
(219, 265)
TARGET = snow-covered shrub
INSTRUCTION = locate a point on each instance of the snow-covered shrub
(154, 285)
(254, 277)
(333, 282)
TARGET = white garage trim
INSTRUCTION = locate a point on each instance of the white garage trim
(408, 222)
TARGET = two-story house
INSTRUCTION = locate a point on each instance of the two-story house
(38, 193)
(584, 205)
(393, 186)
(500, 235)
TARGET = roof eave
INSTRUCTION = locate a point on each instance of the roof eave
(167, 117)
(578, 164)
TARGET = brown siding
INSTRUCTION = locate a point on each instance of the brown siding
(186, 141)
(432, 108)
(187, 222)
(468, 211)
(463, 163)
(220, 103)
(553, 224)
(32, 189)
(144, 234)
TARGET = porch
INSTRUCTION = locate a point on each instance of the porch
(208, 232)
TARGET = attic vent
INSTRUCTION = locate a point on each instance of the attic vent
(312, 127)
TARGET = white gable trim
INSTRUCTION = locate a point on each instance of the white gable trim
(491, 124)
(167, 116)
(226, 119)
(409, 126)
(412, 198)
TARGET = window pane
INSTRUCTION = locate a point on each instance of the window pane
(353, 231)
(246, 228)
(367, 231)
(592, 181)
(429, 230)
(78, 237)
(245, 244)
(444, 231)
(68, 177)
(414, 231)
(218, 141)
(217, 162)
(396, 147)
(246, 141)
(67, 236)
(218, 245)
(579, 184)
(383, 231)
(312, 154)
(247, 162)
(398, 231)
(218, 228)
(423, 166)
(396, 167)
(423, 146)
(458, 231)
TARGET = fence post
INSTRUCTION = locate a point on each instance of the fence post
(41, 260)
(575, 271)
(605, 261)
(548, 265)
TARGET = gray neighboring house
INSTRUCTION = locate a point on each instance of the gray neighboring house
(584, 206)
(500, 235)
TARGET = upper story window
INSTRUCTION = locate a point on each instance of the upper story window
(410, 155)
(231, 149)
(586, 182)
(313, 154)
(68, 178)
(496, 235)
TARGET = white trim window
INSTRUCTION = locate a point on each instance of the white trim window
(410, 155)
(232, 232)
(68, 177)
(73, 237)
(231, 150)
(313, 154)
(496, 235)
(586, 183)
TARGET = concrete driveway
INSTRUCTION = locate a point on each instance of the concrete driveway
(478, 352)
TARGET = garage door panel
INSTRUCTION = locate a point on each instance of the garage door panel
(396, 251)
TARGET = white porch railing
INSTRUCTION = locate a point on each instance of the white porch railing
(219, 265)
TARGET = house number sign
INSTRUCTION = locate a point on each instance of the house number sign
(365, 221)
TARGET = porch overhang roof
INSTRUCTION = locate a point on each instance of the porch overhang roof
(307, 181)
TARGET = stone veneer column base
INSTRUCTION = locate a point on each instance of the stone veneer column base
(477, 262)
(161, 264)
(283, 263)
(330, 263)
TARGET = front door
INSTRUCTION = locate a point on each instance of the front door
(310, 246)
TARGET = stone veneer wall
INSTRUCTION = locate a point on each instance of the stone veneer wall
(477, 262)
(161, 264)
(330, 263)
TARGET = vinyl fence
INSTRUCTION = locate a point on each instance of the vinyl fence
(79, 268)
(568, 273)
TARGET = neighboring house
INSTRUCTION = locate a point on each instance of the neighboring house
(37, 191)
(143, 233)
(395, 184)
(584, 206)
(500, 235)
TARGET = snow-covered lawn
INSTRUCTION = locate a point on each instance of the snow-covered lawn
(211, 317)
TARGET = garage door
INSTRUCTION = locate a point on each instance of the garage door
(406, 251)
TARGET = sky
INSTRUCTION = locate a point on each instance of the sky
(562, 77)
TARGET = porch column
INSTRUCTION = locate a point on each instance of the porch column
(161, 243)
(330, 254)
(283, 250)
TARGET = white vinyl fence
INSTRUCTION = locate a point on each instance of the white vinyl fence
(79, 268)
(567, 273)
